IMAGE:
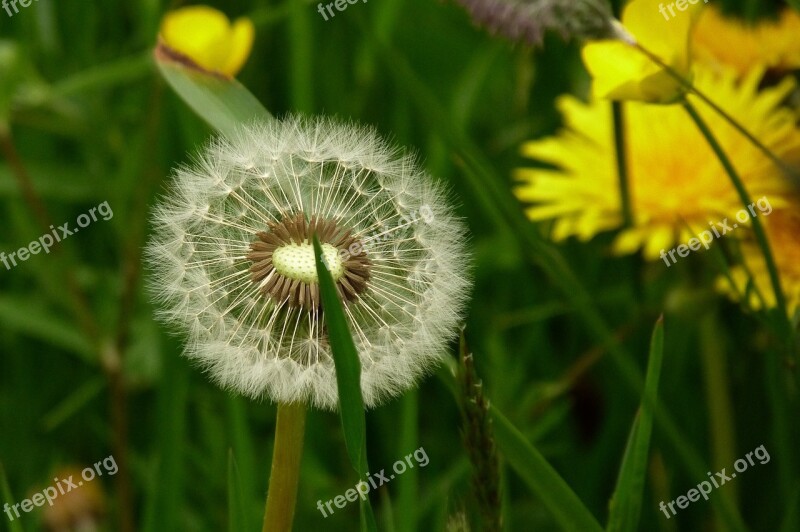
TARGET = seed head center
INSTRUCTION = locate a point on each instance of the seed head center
(284, 268)
(296, 262)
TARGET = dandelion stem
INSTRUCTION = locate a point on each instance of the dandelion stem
(285, 473)
(622, 163)
(689, 86)
(744, 197)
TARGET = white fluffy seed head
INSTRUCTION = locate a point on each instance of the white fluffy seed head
(262, 346)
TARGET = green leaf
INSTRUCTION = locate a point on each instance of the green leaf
(791, 519)
(38, 322)
(73, 403)
(348, 379)
(348, 365)
(539, 475)
(237, 518)
(5, 492)
(222, 102)
(626, 502)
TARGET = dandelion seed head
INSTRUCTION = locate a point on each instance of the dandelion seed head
(233, 265)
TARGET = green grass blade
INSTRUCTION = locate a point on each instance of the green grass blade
(539, 475)
(237, 518)
(348, 365)
(406, 506)
(5, 492)
(348, 379)
(46, 326)
(242, 447)
(791, 519)
(626, 502)
(223, 103)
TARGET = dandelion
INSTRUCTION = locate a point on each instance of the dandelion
(234, 265)
(677, 184)
(750, 282)
(205, 37)
(723, 42)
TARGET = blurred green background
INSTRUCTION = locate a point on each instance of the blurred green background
(91, 121)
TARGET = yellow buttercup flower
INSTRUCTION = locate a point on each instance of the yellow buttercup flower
(677, 184)
(206, 37)
(720, 41)
(621, 72)
(782, 228)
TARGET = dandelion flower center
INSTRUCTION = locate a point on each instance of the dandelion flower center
(284, 267)
(296, 261)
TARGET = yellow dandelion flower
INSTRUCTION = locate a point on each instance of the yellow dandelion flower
(725, 42)
(206, 37)
(783, 229)
(677, 184)
(620, 72)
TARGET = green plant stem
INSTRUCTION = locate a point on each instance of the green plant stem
(285, 474)
(744, 197)
(689, 86)
(622, 163)
(718, 398)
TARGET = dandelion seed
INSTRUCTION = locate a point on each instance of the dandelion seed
(234, 265)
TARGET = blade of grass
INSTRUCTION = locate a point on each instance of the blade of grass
(73, 403)
(242, 447)
(237, 517)
(301, 49)
(791, 519)
(5, 491)
(407, 503)
(224, 103)
(554, 493)
(626, 502)
(534, 469)
(348, 380)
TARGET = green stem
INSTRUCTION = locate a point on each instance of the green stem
(744, 197)
(689, 86)
(718, 397)
(283, 479)
(622, 163)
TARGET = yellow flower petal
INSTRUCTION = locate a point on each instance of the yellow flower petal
(243, 35)
(724, 42)
(676, 182)
(782, 227)
(621, 72)
(205, 36)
